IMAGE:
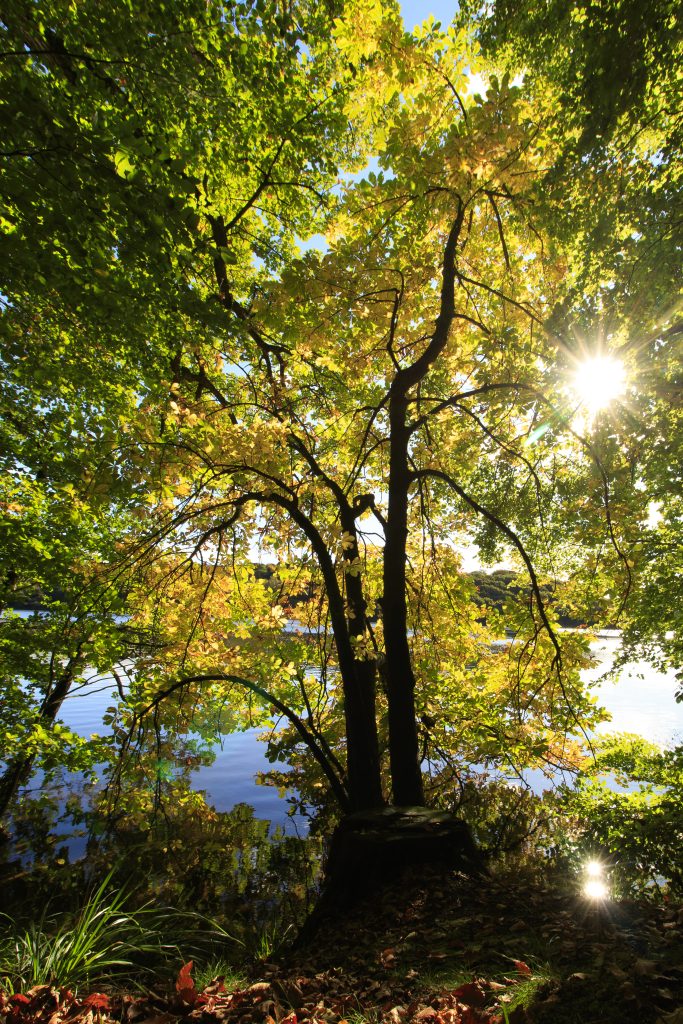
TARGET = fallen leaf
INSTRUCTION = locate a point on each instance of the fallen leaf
(470, 1015)
(19, 1000)
(522, 968)
(675, 1017)
(451, 1016)
(97, 1001)
(215, 987)
(184, 986)
(471, 993)
(644, 967)
(666, 993)
(38, 990)
(258, 987)
(427, 1013)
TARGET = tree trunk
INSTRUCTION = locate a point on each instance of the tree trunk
(406, 776)
(357, 676)
(363, 764)
(19, 769)
(403, 738)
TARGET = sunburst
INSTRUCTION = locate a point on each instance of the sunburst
(597, 382)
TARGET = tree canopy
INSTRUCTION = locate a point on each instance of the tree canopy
(280, 288)
(613, 73)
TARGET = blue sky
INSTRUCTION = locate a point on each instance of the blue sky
(415, 11)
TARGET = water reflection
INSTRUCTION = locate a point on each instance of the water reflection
(231, 865)
(58, 823)
(640, 699)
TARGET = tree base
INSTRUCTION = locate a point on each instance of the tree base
(372, 846)
(369, 849)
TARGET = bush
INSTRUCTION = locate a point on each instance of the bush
(628, 810)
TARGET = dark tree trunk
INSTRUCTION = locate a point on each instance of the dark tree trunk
(362, 747)
(403, 736)
(357, 676)
(363, 763)
(19, 769)
(406, 776)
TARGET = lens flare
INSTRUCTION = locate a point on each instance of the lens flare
(598, 381)
(595, 889)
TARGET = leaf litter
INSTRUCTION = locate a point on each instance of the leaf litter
(434, 948)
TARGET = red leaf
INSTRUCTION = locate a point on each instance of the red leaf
(471, 993)
(289, 1019)
(185, 986)
(97, 1001)
(19, 1000)
(522, 968)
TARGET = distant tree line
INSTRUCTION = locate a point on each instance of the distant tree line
(492, 590)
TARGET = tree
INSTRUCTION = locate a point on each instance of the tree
(353, 412)
(337, 405)
(612, 73)
(120, 130)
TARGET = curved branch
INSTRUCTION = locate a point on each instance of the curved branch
(455, 400)
(337, 785)
(501, 234)
(512, 536)
(506, 298)
(409, 376)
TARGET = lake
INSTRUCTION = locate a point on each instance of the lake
(640, 700)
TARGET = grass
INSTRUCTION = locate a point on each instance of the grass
(205, 973)
(358, 1017)
(101, 940)
(446, 977)
(526, 990)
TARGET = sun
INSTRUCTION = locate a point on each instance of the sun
(598, 381)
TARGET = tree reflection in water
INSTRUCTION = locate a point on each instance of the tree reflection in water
(180, 852)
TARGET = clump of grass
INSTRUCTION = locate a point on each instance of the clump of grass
(205, 973)
(103, 940)
(526, 989)
(449, 976)
(253, 943)
(358, 1017)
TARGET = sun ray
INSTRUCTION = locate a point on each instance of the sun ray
(598, 381)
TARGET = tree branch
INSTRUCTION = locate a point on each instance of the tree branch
(337, 784)
(512, 536)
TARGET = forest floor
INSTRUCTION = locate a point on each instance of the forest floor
(432, 948)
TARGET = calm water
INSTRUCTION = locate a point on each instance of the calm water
(640, 700)
(229, 780)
